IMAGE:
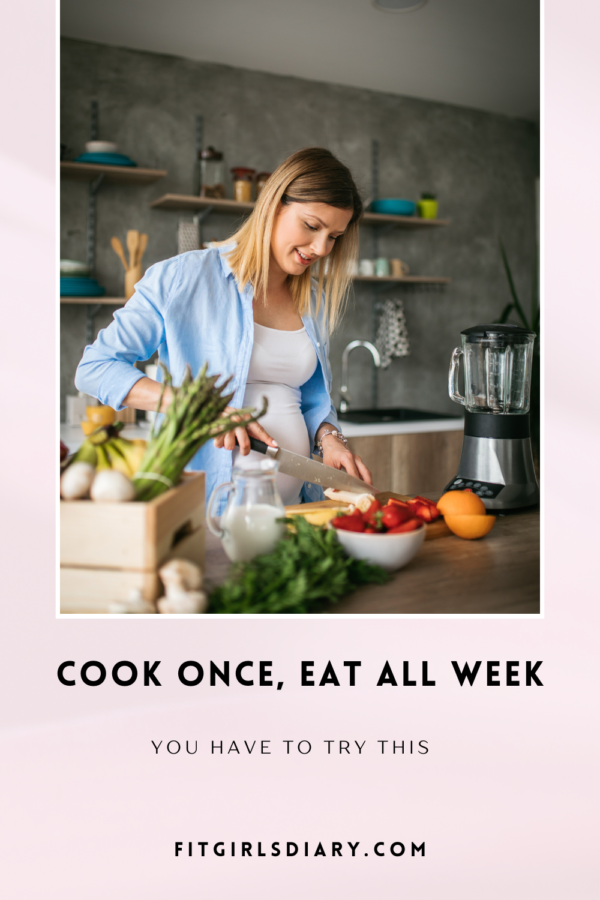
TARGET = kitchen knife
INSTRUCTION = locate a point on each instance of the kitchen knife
(310, 470)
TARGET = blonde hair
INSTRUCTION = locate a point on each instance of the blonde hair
(313, 175)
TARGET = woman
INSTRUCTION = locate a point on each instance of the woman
(252, 308)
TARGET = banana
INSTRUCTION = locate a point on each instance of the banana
(132, 452)
(103, 460)
(105, 433)
(116, 459)
(87, 453)
(104, 449)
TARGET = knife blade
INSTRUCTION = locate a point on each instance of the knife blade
(309, 470)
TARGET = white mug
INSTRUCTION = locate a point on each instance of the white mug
(366, 267)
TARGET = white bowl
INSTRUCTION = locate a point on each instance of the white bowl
(73, 267)
(390, 551)
(101, 147)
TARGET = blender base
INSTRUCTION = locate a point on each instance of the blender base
(499, 470)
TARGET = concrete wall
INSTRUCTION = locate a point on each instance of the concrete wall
(482, 167)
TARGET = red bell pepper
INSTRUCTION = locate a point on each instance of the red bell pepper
(349, 523)
(423, 512)
(411, 525)
(372, 517)
(393, 516)
(401, 503)
(425, 509)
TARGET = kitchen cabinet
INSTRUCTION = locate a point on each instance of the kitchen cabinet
(410, 463)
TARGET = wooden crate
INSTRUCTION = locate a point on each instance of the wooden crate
(107, 550)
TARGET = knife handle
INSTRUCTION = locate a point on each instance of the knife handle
(257, 445)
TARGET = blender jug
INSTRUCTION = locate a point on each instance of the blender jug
(497, 369)
(496, 461)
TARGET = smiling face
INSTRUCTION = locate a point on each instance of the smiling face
(305, 232)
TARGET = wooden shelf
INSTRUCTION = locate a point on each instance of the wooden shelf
(112, 174)
(183, 201)
(370, 218)
(91, 301)
(372, 279)
(190, 202)
(408, 279)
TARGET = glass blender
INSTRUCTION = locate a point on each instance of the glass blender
(496, 462)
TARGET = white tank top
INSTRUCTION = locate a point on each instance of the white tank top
(281, 362)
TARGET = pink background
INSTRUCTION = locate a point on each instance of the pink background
(504, 798)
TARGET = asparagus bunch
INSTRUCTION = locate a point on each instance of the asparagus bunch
(195, 415)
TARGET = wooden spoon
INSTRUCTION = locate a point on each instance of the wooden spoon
(133, 239)
(141, 248)
(117, 246)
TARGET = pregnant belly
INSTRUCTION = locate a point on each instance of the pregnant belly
(285, 423)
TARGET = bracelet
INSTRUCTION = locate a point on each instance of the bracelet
(336, 434)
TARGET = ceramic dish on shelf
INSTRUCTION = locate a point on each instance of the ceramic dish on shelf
(81, 287)
(393, 207)
(73, 267)
(390, 551)
(106, 159)
(101, 147)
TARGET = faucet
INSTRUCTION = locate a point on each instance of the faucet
(344, 393)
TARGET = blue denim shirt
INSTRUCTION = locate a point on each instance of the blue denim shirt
(191, 309)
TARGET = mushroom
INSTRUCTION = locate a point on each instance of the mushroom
(186, 602)
(182, 579)
(135, 603)
(180, 575)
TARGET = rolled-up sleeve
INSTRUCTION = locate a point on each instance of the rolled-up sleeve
(107, 369)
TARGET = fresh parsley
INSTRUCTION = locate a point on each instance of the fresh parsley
(307, 570)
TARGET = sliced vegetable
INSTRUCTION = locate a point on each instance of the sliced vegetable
(349, 523)
(393, 516)
(401, 503)
(411, 525)
(373, 508)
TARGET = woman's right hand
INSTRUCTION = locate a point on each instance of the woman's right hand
(243, 435)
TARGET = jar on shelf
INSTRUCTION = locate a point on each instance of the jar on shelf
(242, 184)
(261, 180)
(210, 180)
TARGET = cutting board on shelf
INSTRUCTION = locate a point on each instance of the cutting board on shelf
(433, 531)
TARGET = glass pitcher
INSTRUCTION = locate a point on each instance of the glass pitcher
(249, 525)
(497, 361)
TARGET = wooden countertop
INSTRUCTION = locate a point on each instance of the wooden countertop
(496, 574)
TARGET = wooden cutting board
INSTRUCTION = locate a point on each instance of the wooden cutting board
(435, 530)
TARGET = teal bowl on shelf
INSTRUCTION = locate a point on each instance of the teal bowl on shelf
(106, 159)
(394, 207)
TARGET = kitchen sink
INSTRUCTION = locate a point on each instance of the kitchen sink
(371, 416)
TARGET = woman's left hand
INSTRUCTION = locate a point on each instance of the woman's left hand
(337, 455)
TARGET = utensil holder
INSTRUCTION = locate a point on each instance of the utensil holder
(132, 276)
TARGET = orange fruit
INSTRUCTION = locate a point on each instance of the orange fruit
(100, 415)
(470, 527)
(461, 503)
